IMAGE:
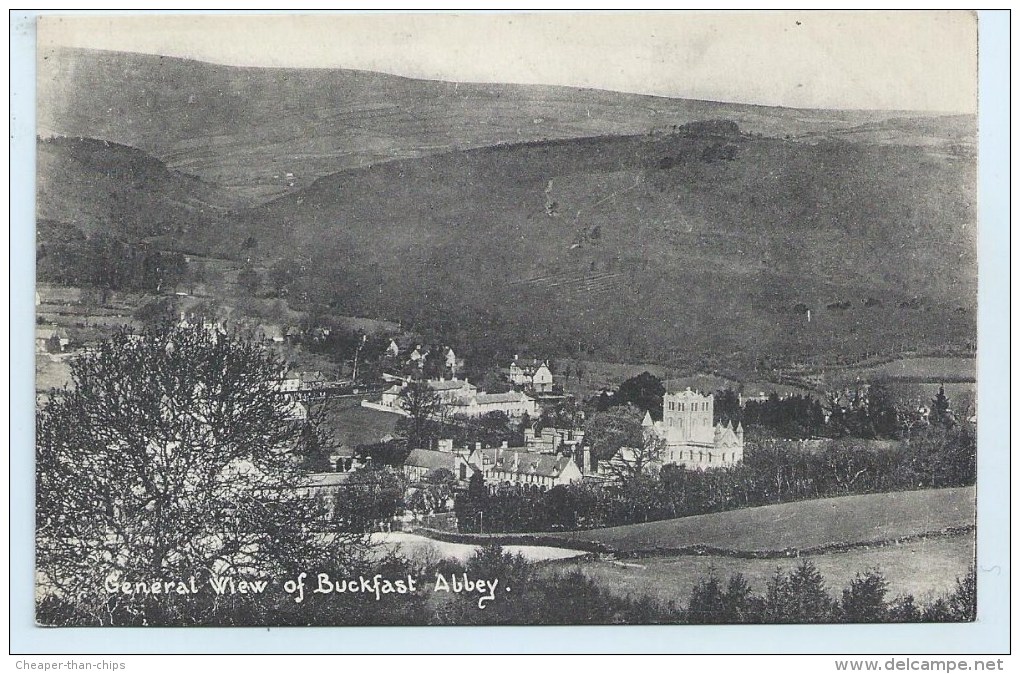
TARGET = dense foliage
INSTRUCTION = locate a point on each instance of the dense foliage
(110, 263)
(773, 471)
(174, 455)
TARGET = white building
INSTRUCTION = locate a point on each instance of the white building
(461, 397)
(692, 439)
(392, 351)
(514, 404)
(542, 380)
(535, 376)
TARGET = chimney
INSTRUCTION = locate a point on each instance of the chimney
(478, 445)
(586, 460)
(446, 445)
(504, 445)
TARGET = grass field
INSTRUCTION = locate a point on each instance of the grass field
(924, 568)
(354, 425)
(411, 545)
(800, 525)
(928, 368)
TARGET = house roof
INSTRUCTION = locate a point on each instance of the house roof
(492, 399)
(431, 459)
(527, 462)
(544, 371)
(449, 384)
(326, 479)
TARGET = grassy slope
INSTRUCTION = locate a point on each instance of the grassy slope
(247, 127)
(801, 525)
(925, 569)
(705, 256)
(98, 186)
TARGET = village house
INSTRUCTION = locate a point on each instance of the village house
(51, 340)
(553, 439)
(514, 404)
(332, 488)
(461, 397)
(392, 351)
(451, 390)
(519, 466)
(536, 376)
(422, 462)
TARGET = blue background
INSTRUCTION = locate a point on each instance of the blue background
(990, 634)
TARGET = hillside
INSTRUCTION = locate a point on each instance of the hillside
(801, 525)
(665, 247)
(99, 186)
(642, 229)
(262, 131)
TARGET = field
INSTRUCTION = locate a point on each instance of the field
(962, 395)
(801, 525)
(922, 369)
(923, 568)
(353, 425)
(411, 545)
(598, 375)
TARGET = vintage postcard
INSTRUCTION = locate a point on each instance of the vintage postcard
(506, 319)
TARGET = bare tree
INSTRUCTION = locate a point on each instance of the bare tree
(640, 460)
(171, 457)
(422, 404)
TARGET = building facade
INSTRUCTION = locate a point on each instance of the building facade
(520, 467)
(691, 437)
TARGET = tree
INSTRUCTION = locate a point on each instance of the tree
(958, 606)
(808, 602)
(797, 597)
(281, 277)
(639, 460)
(611, 429)
(157, 311)
(864, 599)
(433, 493)
(469, 504)
(882, 411)
(172, 456)
(707, 606)
(727, 407)
(645, 391)
(421, 404)
(317, 440)
(940, 412)
(249, 280)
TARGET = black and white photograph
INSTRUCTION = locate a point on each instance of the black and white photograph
(464, 318)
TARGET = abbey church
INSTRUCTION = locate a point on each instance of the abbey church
(691, 437)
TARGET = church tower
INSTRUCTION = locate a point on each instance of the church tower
(687, 417)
